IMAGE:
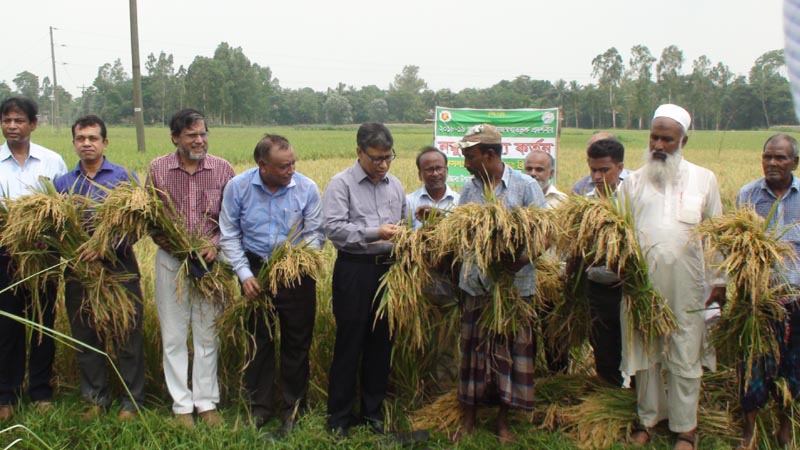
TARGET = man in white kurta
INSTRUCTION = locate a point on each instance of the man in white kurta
(668, 196)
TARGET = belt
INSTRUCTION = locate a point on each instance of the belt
(378, 260)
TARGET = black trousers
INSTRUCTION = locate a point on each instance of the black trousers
(358, 343)
(296, 309)
(606, 330)
(13, 340)
(130, 351)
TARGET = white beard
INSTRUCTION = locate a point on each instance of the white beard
(662, 172)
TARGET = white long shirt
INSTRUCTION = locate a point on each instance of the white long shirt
(664, 218)
(19, 179)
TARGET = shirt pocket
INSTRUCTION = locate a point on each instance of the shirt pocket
(211, 202)
(690, 209)
(292, 220)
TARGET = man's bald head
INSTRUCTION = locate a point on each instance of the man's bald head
(599, 136)
(539, 164)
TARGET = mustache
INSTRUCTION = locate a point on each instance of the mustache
(659, 154)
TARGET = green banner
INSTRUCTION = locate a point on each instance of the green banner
(523, 130)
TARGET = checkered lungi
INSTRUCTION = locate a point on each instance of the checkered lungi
(766, 371)
(496, 370)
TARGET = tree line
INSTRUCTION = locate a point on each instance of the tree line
(232, 90)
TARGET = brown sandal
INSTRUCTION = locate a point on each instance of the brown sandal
(637, 430)
(683, 437)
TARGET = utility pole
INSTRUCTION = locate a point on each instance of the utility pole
(138, 113)
(56, 120)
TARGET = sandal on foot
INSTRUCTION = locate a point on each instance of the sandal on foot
(637, 430)
(682, 437)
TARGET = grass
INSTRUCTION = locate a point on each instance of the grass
(322, 151)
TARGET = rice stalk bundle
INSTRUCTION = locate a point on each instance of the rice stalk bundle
(601, 418)
(130, 211)
(57, 223)
(443, 414)
(126, 213)
(404, 302)
(752, 254)
(489, 237)
(601, 233)
(570, 319)
(549, 284)
(288, 264)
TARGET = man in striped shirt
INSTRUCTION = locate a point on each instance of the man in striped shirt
(193, 181)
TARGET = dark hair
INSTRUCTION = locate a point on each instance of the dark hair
(374, 135)
(89, 121)
(607, 148)
(184, 119)
(430, 149)
(497, 148)
(26, 105)
(790, 139)
(267, 143)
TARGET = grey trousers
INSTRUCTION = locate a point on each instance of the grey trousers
(130, 354)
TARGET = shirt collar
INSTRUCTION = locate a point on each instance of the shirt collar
(361, 175)
(33, 151)
(257, 181)
(795, 186)
(105, 167)
(176, 163)
(504, 179)
(447, 192)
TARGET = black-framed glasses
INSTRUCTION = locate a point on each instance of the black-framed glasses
(379, 159)
(435, 169)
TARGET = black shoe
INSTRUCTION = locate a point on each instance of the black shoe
(286, 427)
(338, 432)
(412, 437)
(376, 426)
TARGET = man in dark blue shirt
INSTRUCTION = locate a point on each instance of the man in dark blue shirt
(93, 171)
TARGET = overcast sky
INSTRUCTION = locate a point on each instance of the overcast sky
(318, 44)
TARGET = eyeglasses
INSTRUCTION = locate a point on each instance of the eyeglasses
(193, 136)
(379, 159)
(435, 169)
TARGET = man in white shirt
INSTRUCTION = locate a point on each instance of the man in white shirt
(23, 165)
(667, 197)
(434, 193)
(540, 165)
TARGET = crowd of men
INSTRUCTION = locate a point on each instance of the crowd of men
(246, 217)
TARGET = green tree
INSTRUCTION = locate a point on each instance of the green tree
(770, 86)
(720, 77)
(700, 92)
(337, 109)
(159, 87)
(608, 68)
(403, 98)
(378, 110)
(641, 73)
(668, 71)
(27, 85)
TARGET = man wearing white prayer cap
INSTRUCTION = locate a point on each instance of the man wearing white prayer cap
(668, 196)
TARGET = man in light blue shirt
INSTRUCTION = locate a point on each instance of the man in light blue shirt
(434, 193)
(483, 378)
(779, 160)
(261, 208)
(23, 165)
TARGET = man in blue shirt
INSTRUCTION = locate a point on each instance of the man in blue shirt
(261, 208)
(494, 369)
(22, 165)
(434, 193)
(778, 160)
(90, 142)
